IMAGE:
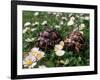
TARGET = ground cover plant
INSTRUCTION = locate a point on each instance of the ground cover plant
(55, 39)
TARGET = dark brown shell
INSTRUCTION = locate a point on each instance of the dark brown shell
(48, 39)
(74, 41)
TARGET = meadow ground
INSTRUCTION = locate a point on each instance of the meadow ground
(36, 22)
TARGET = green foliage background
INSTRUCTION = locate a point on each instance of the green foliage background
(70, 58)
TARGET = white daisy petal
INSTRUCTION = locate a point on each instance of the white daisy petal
(62, 61)
(25, 66)
(35, 24)
(58, 47)
(57, 26)
(72, 18)
(44, 23)
(27, 24)
(70, 14)
(60, 52)
(61, 43)
(81, 32)
(33, 29)
(32, 66)
(29, 40)
(81, 26)
(86, 17)
(71, 22)
(35, 49)
(64, 18)
(67, 61)
(36, 13)
(40, 55)
(26, 29)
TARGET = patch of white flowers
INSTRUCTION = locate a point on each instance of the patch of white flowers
(44, 23)
(86, 17)
(36, 13)
(33, 29)
(64, 18)
(72, 18)
(81, 26)
(71, 21)
(81, 32)
(64, 62)
(70, 14)
(26, 29)
(35, 23)
(29, 40)
(34, 55)
(57, 26)
(58, 49)
(27, 24)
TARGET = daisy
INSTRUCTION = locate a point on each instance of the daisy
(29, 60)
(81, 26)
(61, 43)
(34, 51)
(72, 18)
(35, 24)
(64, 18)
(70, 15)
(58, 47)
(81, 32)
(44, 23)
(40, 55)
(66, 61)
(60, 52)
(86, 17)
(70, 22)
(32, 66)
(57, 26)
(27, 24)
(26, 29)
(29, 40)
(37, 53)
(33, 29)
(62, 61)
(36, 13)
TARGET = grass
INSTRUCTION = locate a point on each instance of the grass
(71, 58)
